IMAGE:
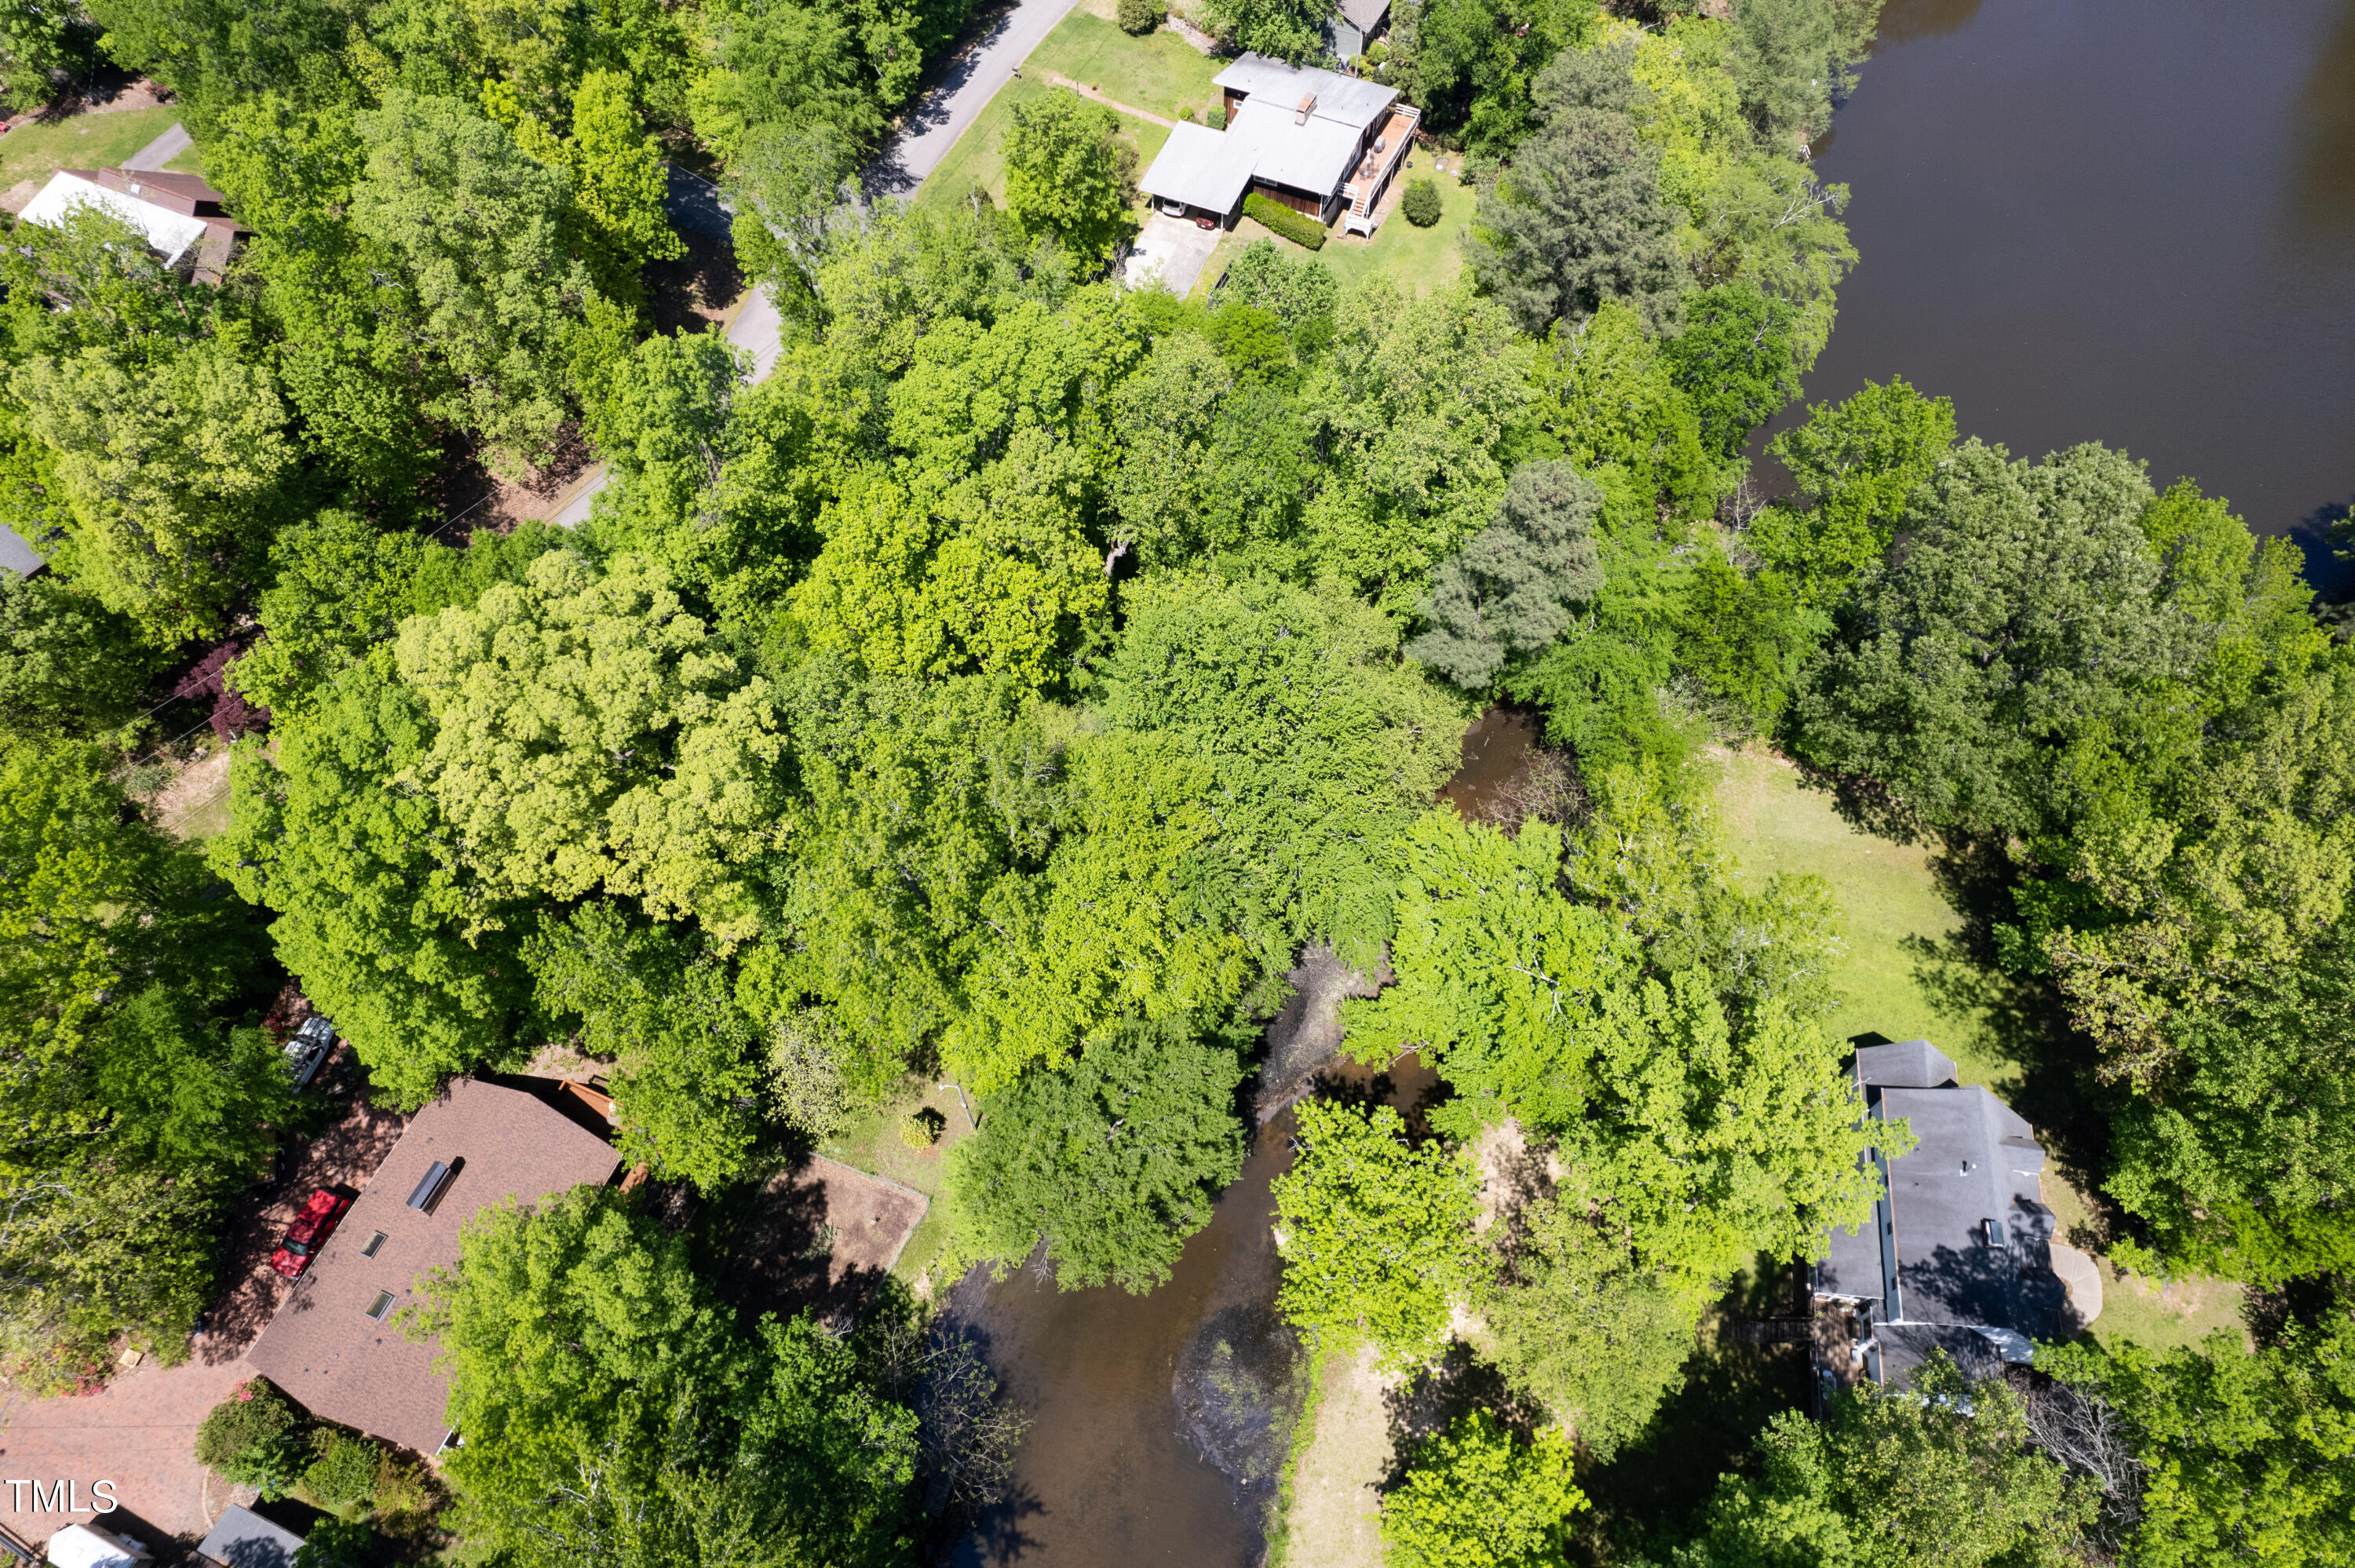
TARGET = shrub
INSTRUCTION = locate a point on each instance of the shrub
(1298, 227)
(922, 1129)
(254, 1438)
(1140, 16)
(1421, 206)
(345, 1472)
(1185, 111)
(1217, 118)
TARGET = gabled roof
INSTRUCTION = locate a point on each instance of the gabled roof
(1345, 100)
(1314, 156)
(168, 229)
(324, 1349)
(1365, 15)
(1961, 1243)
(16, 556)
(244, 1539)
(1199, 167)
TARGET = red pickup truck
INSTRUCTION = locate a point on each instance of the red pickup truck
(309, 1233)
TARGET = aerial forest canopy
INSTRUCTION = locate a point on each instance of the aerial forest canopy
(1010, 683)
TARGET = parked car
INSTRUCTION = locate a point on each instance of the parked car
(308, 1048)
(309, 1233)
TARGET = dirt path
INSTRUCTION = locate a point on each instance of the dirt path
(1334, 1517)
(1060, 80)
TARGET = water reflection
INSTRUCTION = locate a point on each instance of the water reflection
(1903, 20)
(2326, 129)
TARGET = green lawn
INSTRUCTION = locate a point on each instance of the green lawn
(977, 161)
(1158, 73)
(1417, 260)
(1902, 982)
(34, 152)
(873, 1144)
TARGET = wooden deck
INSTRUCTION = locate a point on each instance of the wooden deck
(1363, 190)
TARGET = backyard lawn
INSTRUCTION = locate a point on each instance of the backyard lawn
(871, 1143)
(1159, 73)
(1417, 260)
(977, 161)
(36, 150)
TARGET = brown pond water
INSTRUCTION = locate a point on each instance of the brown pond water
(2130, 221)
(1114, 1471)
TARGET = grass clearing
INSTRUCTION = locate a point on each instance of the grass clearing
(977, 158)
(871, 1143)
(1419, 260)
(1335, 1519)
(99, 140)
(1159, 73)
(1898, 985)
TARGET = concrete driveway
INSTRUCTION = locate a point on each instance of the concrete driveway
(1172, 251)
(971, 80)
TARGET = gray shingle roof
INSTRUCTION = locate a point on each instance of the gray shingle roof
(1961, 1245)
(244, 1539)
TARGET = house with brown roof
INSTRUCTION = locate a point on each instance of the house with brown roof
(334, 1346)
(182, 217)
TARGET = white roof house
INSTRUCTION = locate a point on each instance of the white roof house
(168, 231)
(1305, 130)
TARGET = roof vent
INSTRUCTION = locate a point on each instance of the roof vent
(1307, 102)
(1993, 1236)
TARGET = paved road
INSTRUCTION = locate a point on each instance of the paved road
(970, 82)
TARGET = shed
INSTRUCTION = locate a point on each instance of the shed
(91, 1546)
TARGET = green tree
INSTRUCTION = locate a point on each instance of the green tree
(1791, 57)
(1514, 587)
(137, 1104)
(612, 1413)
(1376, 1236)
(396, 941)
(1070, 172)
(1111, 1160)
(1577, 220)
(1473, 63)
(1477, 1496)
(589, 734)
(339, 587)
(255, 1437)
(785, 63)
(1855, 464)
(473, 227)
(68, 666)
(1579, 1327)
(40, 40)
(1945, 1473)
(788, 184)
(172, 474)
(1290, 30)
(2021, 611)
(665, 1013)
(1736, 360)
(2241, 1452)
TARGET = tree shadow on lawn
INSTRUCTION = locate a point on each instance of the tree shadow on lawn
(1655, 1487)
(2052, 1078)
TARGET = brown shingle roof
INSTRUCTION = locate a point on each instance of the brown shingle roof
(324, 1349)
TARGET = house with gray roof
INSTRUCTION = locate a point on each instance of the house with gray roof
(1353, 25)
(1960, 1254)
(1322, 144)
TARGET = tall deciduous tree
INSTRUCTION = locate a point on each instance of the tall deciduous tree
(1111, 1161)
(1478, 1496)
(1070, 174)
(2022, 609)
(590, 735)
(474, 227)
(1376, 1236)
